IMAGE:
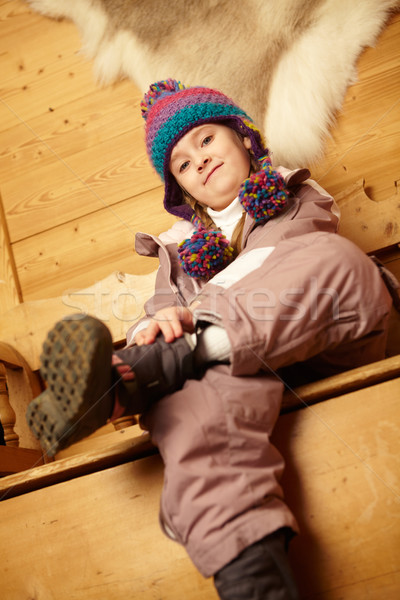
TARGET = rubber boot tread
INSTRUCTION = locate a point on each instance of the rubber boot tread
(76, 367)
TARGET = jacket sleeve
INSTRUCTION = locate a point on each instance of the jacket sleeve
(163, 297)
(172, 287)
(165, 294)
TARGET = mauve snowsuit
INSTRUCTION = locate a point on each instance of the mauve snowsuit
(297, 292)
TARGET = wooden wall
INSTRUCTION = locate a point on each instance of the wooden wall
(75, 180)
(74, 177)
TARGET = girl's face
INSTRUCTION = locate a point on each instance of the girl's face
(211, 162)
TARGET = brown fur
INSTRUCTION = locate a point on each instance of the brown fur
(222, 41)
(286, 62)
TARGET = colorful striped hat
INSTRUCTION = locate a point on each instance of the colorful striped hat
(171, 110)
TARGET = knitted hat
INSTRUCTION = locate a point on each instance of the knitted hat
(170, 111)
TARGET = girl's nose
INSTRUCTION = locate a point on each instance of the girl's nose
(202, 162)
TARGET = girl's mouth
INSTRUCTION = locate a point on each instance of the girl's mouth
(212, 172)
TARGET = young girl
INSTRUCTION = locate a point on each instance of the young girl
(252, 278)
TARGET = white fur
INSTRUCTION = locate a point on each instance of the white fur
(310, 55)
(54, 9)
(312, 77)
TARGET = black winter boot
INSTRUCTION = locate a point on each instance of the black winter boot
(76, 366)
(159, 368)
(260, 572)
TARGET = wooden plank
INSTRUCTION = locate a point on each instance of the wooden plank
(90, 180)
(372, 226)
(117, 299)
(107, 525)
(78, 465)
(355, 163)
(109, 435)
(83, 251)
(365, 138)
(38, 90)
(10, 357)
(342, 383)
(67, 145)
(90, 455)
(71, 127)
(13, 460)
(10, 289)
(342, 481)
(32, 47)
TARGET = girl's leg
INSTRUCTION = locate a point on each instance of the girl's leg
(87, 385)
(84, 391)
(221, 489)
(212, 345)
(312, 296)
(221, 493)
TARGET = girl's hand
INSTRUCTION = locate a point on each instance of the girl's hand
(171, 322)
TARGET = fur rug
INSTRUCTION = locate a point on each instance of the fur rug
(287, 62)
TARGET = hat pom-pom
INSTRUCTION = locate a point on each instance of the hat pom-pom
(205, 254)
(158, 90)
(264, 194)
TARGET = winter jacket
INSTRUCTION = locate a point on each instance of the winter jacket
(309, 209)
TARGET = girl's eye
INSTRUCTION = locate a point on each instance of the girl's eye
(183, 166)
(207, 140)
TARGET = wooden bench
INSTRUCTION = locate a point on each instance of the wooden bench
(85, 526)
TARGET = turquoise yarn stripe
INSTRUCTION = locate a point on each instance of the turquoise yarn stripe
(189, 115)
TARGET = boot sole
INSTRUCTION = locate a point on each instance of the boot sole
(76, 366)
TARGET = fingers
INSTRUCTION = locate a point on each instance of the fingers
(187, 320)
(170, 326)
(171, 322)
(140, 338)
